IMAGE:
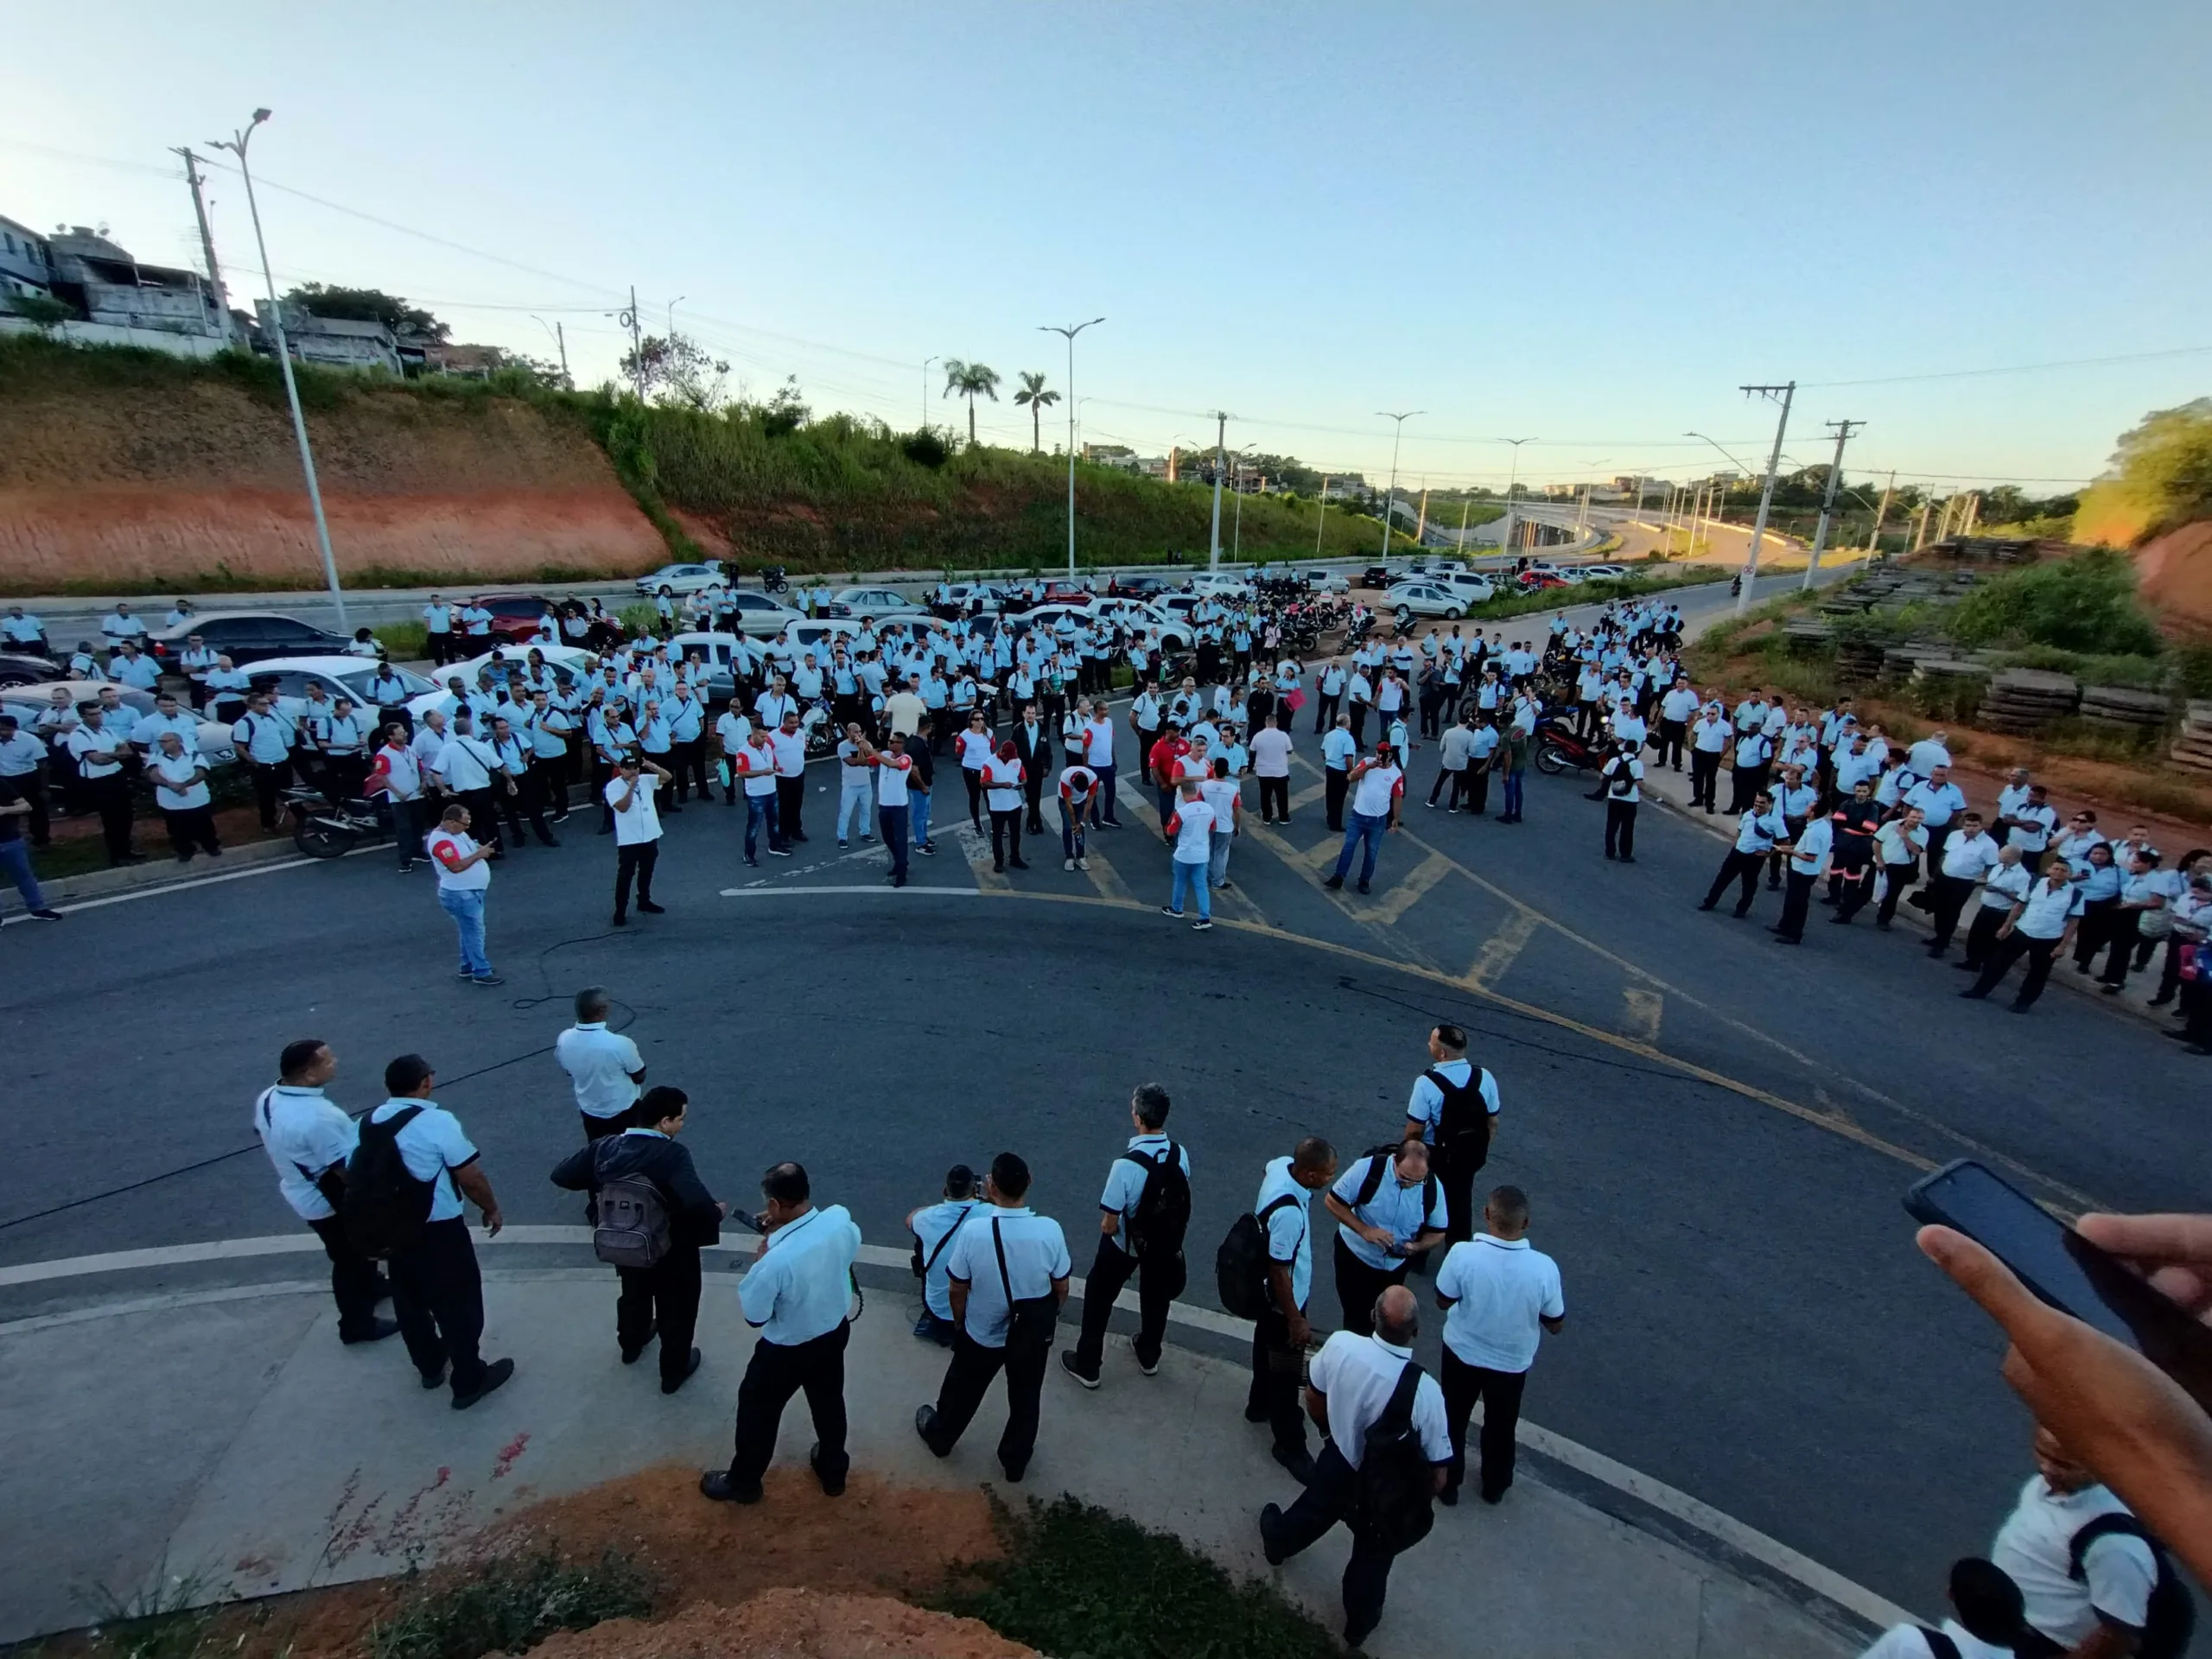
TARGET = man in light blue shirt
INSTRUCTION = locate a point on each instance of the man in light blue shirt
(934, 1227)
(1283, 1209)
(437, 1293)
(1339, 749)
(1389, 1207)
(796, 1296)
(1150, 1247)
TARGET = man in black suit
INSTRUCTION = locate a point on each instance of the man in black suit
(1032, 747)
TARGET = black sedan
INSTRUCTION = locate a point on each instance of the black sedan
(21, 668)
(246, 636)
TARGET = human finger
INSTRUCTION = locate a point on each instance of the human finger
(1990, 1282)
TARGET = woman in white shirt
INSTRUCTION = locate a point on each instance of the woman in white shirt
(975, 746)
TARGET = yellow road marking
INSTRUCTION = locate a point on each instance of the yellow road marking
(977, 848)
(1308, 795)
(1105, 878)
(1401, 897)
(1641, 1015)
(1501, 948)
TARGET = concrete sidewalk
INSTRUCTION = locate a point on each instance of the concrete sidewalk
(225, 1437)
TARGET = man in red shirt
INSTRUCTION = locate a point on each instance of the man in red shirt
(1160, 762)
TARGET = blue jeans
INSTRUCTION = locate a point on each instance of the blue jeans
(918, 801)
(759, 809)
(1103, 804)
(1190, 878)
(1218, 866)
(1072, 837)
(466, 906)
(16, 859)
(855, 803)
(1513, 793)
(894, 838)
(1367, 828)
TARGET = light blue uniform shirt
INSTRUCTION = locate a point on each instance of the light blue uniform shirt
(1338, 748)
(1290, 1229)
(932, 1226)
(1125, 1181)
(802, 1285)
(268, 738)
(1397, 1209)
(432, 1146)
(1036, 1255)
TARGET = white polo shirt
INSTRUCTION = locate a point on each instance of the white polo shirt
(640, 820)
(790, 750)
(1910, 1642)
(1002, 782)
(1271, 747)
(1378, 787)
(174, 791)
(2034, 1547)
(1036, 1255)
(934, 1226)
(1098, 738)
(1357, 1375)
(2048, 911)
(476, 878)
(601, 1064)
(1969, 858)
(1193, 822)
(304, 1134)
(893, 774)
(1501, 1289)
(85, 743)
(802, 1285)
(1125, 1180)
(432, 1146)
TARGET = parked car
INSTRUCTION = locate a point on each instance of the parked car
(1221, 587)
(874, 604)
(677, 579)
(718, 650)
(1601, 572)
(1533, 580)
(1473, 587)
(961, 594)
(567, 661)
(245, 637)
(1327, 582)
(1139, 587)
(346, 677)
(24, 702)
(21, 668)
(816, 634)
(1418, 598)
(514, 616)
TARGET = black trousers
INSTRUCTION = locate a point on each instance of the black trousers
(110, 797)
(1900, 876)
(1157, 1284)
(1620, 828)
(1359, 712)
(1006, 826)
(1456, 1165)
(1324, 711)
(536, 792)
(635, 860)
(2009, 949)
(1458, 780)
(1335, 781)
(967, 1378)
(2090, 933)
(408, 829)
(1705, 778)
(1033, 793)
(776, 1372)
(1746, 782)
(1797, 903)
(1328, 1499)
(1274, 1395)
(1358, 1285)
(1948, 895)
(665, 1295)
(483, 815)
(687, 760)
(1275, 799)
(1671, 733)
(437, 1295)
(33, 794)
(791, 800)
(1981, 932)
(1741, 866)
(1500, 1393)
(191, 831)
(352, 1280)
(972, 776)
(2120, 939)
(1478, 788)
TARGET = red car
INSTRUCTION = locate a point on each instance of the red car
(514, 616)
(1532, 581)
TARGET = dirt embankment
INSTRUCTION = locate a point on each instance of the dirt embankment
(164, 483)
(2174, 570)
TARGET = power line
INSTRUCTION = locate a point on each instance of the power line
(2024, 368)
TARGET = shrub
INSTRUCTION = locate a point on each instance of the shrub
(511, 1606)
(924, 449)
(2085, 603)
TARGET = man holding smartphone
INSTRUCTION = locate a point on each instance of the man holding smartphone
(1389, 1207)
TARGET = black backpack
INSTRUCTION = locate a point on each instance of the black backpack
(1395, 1492)
(1465, 1116)
(2170, 1617)
(386, 1207)
(1378, 1164)
(1162, 1215)
(1939, 1646)
(1240, 1266)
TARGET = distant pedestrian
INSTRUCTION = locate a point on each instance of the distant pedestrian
(1499, 1297)
(1190, 827)
(464, 873)
(1454, 1109)
(1378, 785)
(631, 797)
(1143, 1213)
(180, 791)
(2038, 927)
(309, 1138)
(1758, 830)
(894, 771)
(934, 1227)
(1623, 789)
(654, 1215)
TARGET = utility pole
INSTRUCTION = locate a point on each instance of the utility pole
(1786, 394)
(1874, 539)
(208, 243)
(1420, 524)
(926, 389)
(1390, 501)
(1505, 535)
(1843, 430)
(1920, 529)
(1640, 482)
(1236, 529)
(560, 339)
(1220, 461)
(1973, 519)
(1321, 518)
(1465, 507)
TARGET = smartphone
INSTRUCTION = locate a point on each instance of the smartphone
(2066, 1270)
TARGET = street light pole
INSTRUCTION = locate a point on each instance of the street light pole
(926, 389)
(1390, 500)
(236, 145)
(1505, 537)
(672, 304)
(1069, 334)
(1766, 492)
(1220, 460)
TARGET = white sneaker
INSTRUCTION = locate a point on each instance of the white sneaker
(1083, 863)
(1067, 864)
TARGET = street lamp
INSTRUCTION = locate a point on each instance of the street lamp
(559, 339)
(1390, 501)
(1069, 334)
(1513, 478)
(926, 389)
(672, 304)
(236, 145)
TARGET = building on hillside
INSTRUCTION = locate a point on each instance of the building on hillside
(1112, 454)
(333, 342)
(1348, 486)
(106, 286)
(1160, 466)
(457, 358)
(26, 266)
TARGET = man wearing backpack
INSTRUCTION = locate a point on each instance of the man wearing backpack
(1454, 1109)
(404, 1187)
(1385, 1455)
(1284, 1221)
(654, 1214)
(1986, 1622)
(1143, 1214)
(934, 1227)
(2093, 1584)
(1389, 1207)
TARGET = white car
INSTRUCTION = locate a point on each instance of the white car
(1418, 598)
(339, 676)
(674, 579)
(877, 603)
(1172, 629)
(1221, 587)
(567, 661)
(760, 615)
(1474, 588)
(1596, 572)
(964, 593)
(1327, 582)
(25, 702)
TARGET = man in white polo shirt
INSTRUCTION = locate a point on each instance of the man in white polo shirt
(1284, 1210)
(1351, 1384)
(2090, 1597)
(604, 1066)
(2038, 928)
(796, 1295)
(1499, 1298)
(630, 796)
(309, 1138)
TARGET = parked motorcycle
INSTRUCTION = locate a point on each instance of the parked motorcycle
(325, 829)
(1559, 750)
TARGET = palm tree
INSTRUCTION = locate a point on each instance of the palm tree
(971, 381)
(1033, 393)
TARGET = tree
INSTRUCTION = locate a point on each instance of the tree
(786, 411)
(971, 381)
(679, 371)
(1033, 393)
(369, 305)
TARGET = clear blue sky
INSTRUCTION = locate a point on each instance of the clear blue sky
(1583, 222)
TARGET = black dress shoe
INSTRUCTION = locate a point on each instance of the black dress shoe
(671, 1385)
(378, 1330)
(925, 1426)
(1270, 1518)
(717, 1485)
(495, 1374)
(629, 1355)
(434, 1379)
(650, 908)
(832, 1487)
(1298, 1462)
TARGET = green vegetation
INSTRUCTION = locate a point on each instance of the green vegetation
(174, 1618)
(2161, 478)
(510, 1606)
(2082, 604)
(1064, 1587)
(404, 642)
